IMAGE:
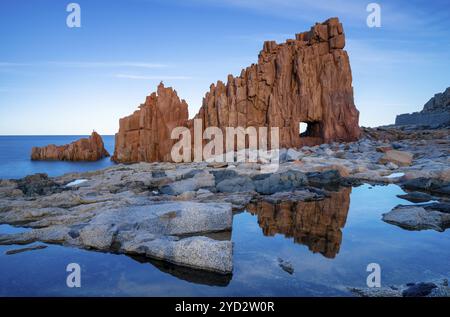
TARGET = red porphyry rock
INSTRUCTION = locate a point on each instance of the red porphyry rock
(145, 135)
(307, 79)
(85, 149)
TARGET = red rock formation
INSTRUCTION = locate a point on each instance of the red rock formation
(85, 149)
(316, 224)
(145, 135)
(303, 80)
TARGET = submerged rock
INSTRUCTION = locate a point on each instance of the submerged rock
(286, 266)
(416, 197)
(21, 250)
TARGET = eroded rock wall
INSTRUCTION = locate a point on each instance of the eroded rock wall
(307, 79)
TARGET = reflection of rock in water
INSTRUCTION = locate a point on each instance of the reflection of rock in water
(316, 224)
(187, 274)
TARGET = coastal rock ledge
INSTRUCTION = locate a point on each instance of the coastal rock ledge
(84, 149)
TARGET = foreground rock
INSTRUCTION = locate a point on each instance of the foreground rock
(115, 210)
(437, 288)
(434, 216)
(307, 79)
(85, 149)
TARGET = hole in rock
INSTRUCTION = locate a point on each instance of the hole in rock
(309, 129)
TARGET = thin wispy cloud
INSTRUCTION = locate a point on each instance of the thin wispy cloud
(108, 64)
(87, 64)
(144, 77)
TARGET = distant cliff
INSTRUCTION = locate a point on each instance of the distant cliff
(304, 80)
(436, 112)
(85, 149)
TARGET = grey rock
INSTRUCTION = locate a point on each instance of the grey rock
(435, 113)
(293, 155)
(271, 183)
(195, 252)
(417, 218)
(220, 175)
(428, 184)
(419, 290)
(142, 227)
(199, 180)
(236, 185)
(416, 197)
(329, 177)
(38, 184)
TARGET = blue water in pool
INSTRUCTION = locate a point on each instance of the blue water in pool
(15, 154)
(329, 245)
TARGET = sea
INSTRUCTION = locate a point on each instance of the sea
(15, 153)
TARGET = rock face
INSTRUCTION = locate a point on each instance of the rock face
(145, 135)
(436, 112)
(307, 79)
(85, 149)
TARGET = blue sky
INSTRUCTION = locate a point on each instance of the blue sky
(60, 80)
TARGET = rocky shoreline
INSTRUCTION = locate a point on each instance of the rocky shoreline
(171, 212)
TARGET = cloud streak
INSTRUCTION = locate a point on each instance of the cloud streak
(143, 77)
(85, 64)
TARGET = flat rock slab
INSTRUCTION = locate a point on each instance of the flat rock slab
(169, 231)
(417, 218)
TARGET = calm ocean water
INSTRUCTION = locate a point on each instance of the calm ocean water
(15, 154)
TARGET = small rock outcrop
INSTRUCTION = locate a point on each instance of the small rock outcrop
(304, 80)
(436, 112)
(85, 149)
